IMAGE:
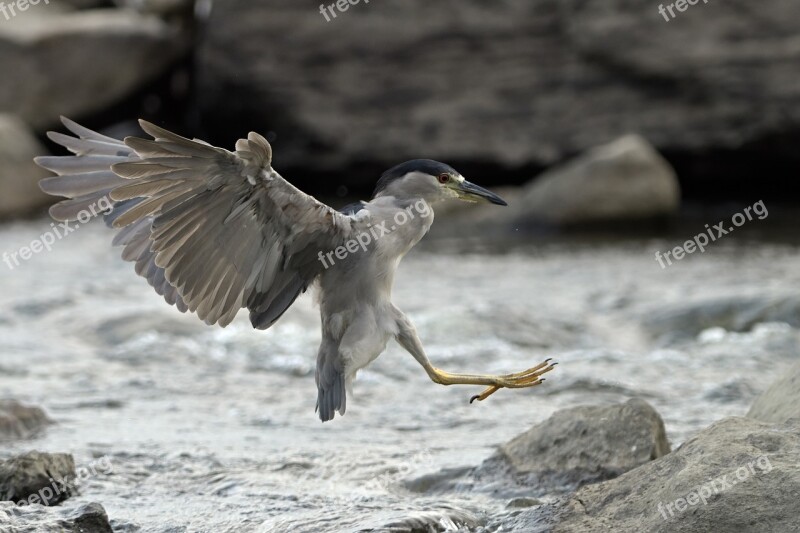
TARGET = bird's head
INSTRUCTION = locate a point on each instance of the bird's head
(432, 181)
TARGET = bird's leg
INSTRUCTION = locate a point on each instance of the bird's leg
(408, 339)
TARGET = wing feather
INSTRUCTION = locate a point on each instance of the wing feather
(211, 230)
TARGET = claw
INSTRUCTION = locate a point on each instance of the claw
(520, 380)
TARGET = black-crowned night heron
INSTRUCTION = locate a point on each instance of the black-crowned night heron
(214, 231)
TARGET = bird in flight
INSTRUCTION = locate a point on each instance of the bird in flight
(214, 231)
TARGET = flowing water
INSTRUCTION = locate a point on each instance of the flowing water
(209, 429)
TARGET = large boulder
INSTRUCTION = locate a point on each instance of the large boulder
(86, 518)
(20, 421)
(738, 475)
(626, 179)
(74, 63)
(37, 478)
(19, 176)
(509, 84)
(585, 444)
(781, 401)
(571, 448)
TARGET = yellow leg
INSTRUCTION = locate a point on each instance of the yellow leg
(519, 380)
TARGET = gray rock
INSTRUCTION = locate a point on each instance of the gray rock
(19, 176)
(20, 421)
(86, 518)
(584, 444)
(781, 401)
(626, 179)
(43, 478)
(512, 83)
(738, 475)
(73, 63)
(685, 320)
(570, 449)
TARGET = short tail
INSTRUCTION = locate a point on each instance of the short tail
(331, 390)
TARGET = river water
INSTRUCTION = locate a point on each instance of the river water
(214, 430)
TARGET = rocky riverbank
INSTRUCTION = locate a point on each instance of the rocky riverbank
(214, 430)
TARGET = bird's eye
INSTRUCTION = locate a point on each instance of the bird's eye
(444, 178)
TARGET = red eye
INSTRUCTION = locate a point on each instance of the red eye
(444, 178)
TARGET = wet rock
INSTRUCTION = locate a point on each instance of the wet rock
(69, 62)
(36, 477)
(584, 444)
(626, 179)
(20, 421)
(87, 518)
(737, 475)
(19, 176)
(572, 448)
(781, 401)
(685, 320)
(566, 75)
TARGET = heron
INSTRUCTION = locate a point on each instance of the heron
(214, 231)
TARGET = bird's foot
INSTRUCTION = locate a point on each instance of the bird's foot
(519, 380)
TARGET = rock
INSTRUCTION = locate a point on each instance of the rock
(738, 475)
(34, 477)
(158, 7)
(781, 401)
(20, 421)
(19, 176)
(585, 444)
(74, 63)
(685, 320)
(514, 84)
(86, 518)
(570, 449)
(626, 179)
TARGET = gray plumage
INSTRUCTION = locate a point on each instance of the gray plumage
(214, 231)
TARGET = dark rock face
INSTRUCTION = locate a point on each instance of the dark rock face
(20, 421)
(516, 83)
(87, 518)
(781, 401)
(19, 176)
(35, 477)
(73, 63)
(738, 475)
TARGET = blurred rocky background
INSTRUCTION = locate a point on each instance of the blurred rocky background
(503, 91)
(600, 116)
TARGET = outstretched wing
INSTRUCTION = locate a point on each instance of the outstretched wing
(212, 230)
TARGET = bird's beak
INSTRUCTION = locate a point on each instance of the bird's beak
(471, 192)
